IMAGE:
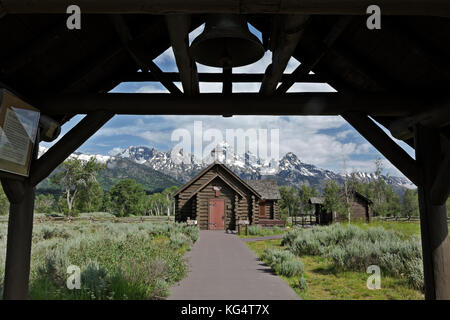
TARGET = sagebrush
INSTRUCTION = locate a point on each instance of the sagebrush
(352, 248)
(117, 260)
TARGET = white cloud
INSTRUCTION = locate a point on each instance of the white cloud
(115, 151)
(297, 134)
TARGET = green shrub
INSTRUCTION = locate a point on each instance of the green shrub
(117, 260)
(283, 262)
(291, 267)
(352, 248)
(192, 232)
(274, 257)
(47, 232)
(255, 230)
(302, 285)
(414, 274)
(177, 240)
(160, 289)
(94, 280)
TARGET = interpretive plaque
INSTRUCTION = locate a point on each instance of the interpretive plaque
(18, 126)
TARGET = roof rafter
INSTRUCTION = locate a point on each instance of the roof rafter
(384, 144)
(286, 39)
(214, 77)
(179, 26)
(306, 66)
(439, 63)
(111, 53)
(68, 144)
(138, 56)
(35, 49)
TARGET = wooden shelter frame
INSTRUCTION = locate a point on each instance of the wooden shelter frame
(421, 116)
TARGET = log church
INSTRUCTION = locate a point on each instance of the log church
(218, 199)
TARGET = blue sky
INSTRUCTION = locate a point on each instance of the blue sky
(328, 142)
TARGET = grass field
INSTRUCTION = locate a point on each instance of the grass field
(258, 231)
(141, 260)
(325, 281)
(116, 260)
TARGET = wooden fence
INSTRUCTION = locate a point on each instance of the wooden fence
(400, 219)
(310, 219)
(92, 219)
(303, 219)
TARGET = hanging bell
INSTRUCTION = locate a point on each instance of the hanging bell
(226, 42)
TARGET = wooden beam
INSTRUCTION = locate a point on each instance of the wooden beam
(386, 122)
(114, 51)
(179, 26)
(437, 116)
(11, 176)
(36, 48)
(2, 11)
(154, 69)
(286, 39)
(430, 55)
(215, 77)
(433, 218)
(335, 7)
(384, 144)
(440, 190)
(306, 66)
(234, 104)
(68, 144)
(372, 76)
(139, 56)
(227, 84)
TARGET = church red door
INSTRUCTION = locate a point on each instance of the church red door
(216, 214)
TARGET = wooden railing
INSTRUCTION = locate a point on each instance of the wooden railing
(303, 219)
(400, 219)
(154, 219)
(310, 219)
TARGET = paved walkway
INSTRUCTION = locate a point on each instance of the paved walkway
(222, 267)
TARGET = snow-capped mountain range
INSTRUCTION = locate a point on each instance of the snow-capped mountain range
(289, 170)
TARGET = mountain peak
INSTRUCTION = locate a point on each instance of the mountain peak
(291, 158)
(139, 154)
(289, 170)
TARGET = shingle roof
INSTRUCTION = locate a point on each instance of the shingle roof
(268, 189)
(211, 166)
(357, 194)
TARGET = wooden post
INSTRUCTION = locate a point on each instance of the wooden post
(433, 218)
(18, 250)
(20, 230)
(21, 193)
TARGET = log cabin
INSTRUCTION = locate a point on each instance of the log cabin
(218, 199)
(360, 210)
